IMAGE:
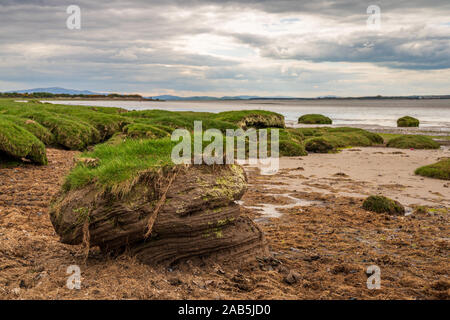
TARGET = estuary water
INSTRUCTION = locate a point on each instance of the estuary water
(433, 114)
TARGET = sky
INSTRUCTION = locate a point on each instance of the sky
(227, 48)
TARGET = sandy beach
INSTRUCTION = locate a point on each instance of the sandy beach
(320, 239)
(359, 172)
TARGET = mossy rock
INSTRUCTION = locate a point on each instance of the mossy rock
(373, 137)
(314, 119)
(413, 142)
(18, 143)
(381, 204)
(439, 170)
(290, 148)
(253, 119)
(318, 145)
(408, 122)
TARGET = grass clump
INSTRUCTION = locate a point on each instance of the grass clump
(413, 142)
(118, 165)
(323, 140)
(176, 120)
(439, 170)
(408, 122)
(41, 132)
(258, 119)
(16, 142)
(314, 119)
(318, 145)
(148, 131)
(381, 204)
(69, 133)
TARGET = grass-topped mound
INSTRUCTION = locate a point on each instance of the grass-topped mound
(146, 131)
(252, 119)
(413, 142)
(41, 132)
(19, 143)
(175, 120)
(408, 122)
(381, 204)
(323, 140)
(291, 143)
(314, 119)
(439, 170)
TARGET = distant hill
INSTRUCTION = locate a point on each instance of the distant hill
(57, 90)
(204, 98)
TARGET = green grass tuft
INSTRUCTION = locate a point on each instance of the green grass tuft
(408, 122)
(324, 140)
(439, 170)
(314, 119)
(120, 164)
(318, 145)
(413, 142)
(381, 204)
(258, 119)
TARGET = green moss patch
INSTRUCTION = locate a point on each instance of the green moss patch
(318, 145)
(439, 170)
(323, 140)
(408, 122)
(381, 204)
(252, 119)
(19, 143)
(314, 119)
(413, 142)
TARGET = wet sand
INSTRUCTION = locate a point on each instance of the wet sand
(360, 172)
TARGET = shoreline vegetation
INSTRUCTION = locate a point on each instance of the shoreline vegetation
(26, 128)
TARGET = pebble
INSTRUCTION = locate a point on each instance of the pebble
(292, 278)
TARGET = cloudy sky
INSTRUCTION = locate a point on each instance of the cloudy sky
(211, 47)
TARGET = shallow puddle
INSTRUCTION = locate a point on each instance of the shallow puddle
(271, 210)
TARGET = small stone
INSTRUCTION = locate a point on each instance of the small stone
(292, 278)
(16, 291)
(175, 281)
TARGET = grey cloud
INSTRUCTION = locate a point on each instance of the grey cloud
(407, 49)
(127, 44)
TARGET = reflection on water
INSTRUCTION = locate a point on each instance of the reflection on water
(432, 113)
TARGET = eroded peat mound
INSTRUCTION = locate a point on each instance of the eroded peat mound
(165, 217)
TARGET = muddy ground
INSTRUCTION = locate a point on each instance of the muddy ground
(321, 243)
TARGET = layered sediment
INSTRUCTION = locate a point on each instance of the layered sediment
(166, 216)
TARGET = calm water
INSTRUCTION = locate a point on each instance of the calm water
(433, 114)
